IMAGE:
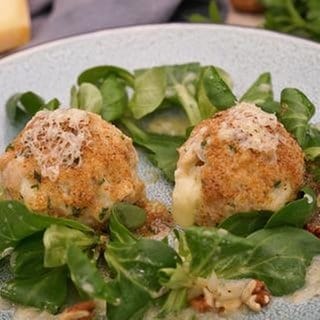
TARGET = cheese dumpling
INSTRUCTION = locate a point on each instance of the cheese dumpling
(240, 160)
(71, 163)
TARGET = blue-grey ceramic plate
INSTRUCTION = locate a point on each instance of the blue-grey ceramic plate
(52, 68)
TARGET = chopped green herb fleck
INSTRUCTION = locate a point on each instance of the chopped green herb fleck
(101, 181)
(277, 184)
(37, 176)
(203, 143)
(9, 147)
(103, 213)
(76, 211)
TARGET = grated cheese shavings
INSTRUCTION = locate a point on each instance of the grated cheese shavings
(55, 139)
(251, 127)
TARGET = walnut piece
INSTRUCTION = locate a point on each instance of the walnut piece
(200, 304)
(81, 311)
(228, 296)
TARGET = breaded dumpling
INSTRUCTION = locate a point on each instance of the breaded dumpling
(71, 163)
(240, 160)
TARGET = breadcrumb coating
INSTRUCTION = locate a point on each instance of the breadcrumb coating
(235, 174)
(104, 171)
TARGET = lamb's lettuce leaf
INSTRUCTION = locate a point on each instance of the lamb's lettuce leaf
(214, 93)
(260, 91)
(97, 75)
(295, 213)
(18, 223)
(33, 284)
(118, 232)
(136, 263)
(182, 81)
(56, 240)
(278, 256)
(87, 277)
(223, 250)
(312, 143)
(295, 112)
(47, 291)
(129, 215)
(149, 91)
(244, 223)
(177, 83)
(114, 98)
(20, 107)
(87, 97)
(27, 258)
(161, 149)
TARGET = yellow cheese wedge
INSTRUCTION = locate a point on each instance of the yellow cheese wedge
(15, 26)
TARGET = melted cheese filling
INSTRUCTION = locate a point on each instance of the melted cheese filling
(186, 196)
(55, 139)
(187, 193)
(250, 126)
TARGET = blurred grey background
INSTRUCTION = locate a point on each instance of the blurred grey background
(54, 19)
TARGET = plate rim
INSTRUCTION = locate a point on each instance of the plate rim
(152, 27)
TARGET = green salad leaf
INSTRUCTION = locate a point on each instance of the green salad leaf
(244, 223)
(136, 263)
(97, 75)
(177, 83)
(103, 90)
(295, 112)
(46, 292)
(56, 240)
(134, 301)
(222, 250)
(280, 258)
(87, 277)
(20, 107)
(118, 232)
(214, 93)
(27, 258)
(260, 91)
(181, 88)
(312, 143)
(114, 98)
(175, 301)
(87, 97)
(33, 284)
(145, 254)
(161, 149)
(149, 91)
(131, 216)
(295, 213)
(277, 256)
(19, 223)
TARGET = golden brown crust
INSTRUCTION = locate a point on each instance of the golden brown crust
(107, 174)
(237, 179)
(158, 223)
